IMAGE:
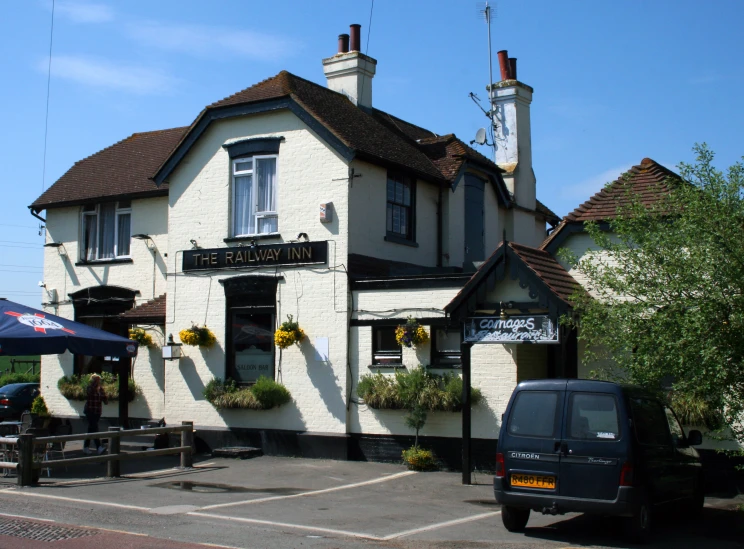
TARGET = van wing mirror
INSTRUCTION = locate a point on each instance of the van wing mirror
(695, 438)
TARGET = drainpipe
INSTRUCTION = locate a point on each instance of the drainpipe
(439, 227)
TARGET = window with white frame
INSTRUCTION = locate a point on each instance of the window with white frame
(254, 196)
(106, 230)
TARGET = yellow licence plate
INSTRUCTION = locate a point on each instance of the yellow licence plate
(533, 481)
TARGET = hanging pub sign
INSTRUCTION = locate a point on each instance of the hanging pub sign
(514, 329)
(266, 255)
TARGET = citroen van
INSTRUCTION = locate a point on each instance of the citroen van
(571, 445)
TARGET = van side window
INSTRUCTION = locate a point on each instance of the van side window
(650, 422)
(593, 417)
(533, 414)
(678, 435)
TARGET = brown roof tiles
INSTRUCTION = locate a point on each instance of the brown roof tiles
(150, 312)
(123, 169)
(548, 270)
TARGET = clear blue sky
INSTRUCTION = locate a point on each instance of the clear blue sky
(614, 81)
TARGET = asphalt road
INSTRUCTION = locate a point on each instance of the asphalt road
(273, 502)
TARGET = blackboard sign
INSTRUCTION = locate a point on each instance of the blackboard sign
(514, 329)
(265, 255)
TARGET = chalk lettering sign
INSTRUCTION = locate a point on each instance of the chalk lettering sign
(265, 255)
(515, 329)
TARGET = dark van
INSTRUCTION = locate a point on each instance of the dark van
(593, 447)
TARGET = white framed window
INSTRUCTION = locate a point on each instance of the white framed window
(106, 231)
(254, 181)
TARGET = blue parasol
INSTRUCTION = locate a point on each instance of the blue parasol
(27, 331)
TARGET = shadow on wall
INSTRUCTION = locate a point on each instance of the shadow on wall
(323, 378)
(192, 378)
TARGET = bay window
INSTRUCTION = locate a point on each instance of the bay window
(106, 230)
(254, 182)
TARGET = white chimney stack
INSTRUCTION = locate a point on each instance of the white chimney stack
(511, 100)
(350, 71)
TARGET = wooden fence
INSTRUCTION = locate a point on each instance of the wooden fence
(28, 468)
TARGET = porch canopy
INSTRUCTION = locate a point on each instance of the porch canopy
(28, 331)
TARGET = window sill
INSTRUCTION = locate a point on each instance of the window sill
(444, 367)
(267, 236)
(386, 366)
(400, 240)
(83, 263)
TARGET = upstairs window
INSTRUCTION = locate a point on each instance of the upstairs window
(106, 230)
(254, 196)
(385, 349)
(400, 207)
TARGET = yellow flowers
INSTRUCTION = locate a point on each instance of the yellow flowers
(197, 335)
(411, 333)
(141, 336)
(288, 333)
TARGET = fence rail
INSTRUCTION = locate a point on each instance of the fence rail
(28, 468)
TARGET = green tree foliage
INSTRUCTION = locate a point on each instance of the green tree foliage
(667, 290)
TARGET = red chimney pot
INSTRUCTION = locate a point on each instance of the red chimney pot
(504, 64)
(355, 32)
(343, 43)
(512, 68)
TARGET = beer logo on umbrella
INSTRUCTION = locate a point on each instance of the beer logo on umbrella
(38, 322)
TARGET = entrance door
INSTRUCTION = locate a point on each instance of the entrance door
(474, 220)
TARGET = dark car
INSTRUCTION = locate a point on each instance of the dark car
(593, 447)
(16, 398)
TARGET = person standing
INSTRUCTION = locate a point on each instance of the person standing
(93, 410)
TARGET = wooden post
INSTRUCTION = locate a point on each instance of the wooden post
(25, 460)
(466, 464)
(114, 467)
(187, 439)
(123, 368)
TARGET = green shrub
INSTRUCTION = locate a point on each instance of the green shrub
(7, 379)
(430, 391)
(419, 459)
(39, 407)
(263, 395)
(76, 387)
(694, 410)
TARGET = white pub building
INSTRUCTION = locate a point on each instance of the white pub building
(291, 198)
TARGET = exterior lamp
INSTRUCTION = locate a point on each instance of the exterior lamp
(148, 241)
(60, 247)
(171, 350)
(503, 315)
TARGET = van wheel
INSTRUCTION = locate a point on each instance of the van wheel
(514, 518)
(638, 527)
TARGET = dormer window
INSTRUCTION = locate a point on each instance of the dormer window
(106, 230)
(254, 196)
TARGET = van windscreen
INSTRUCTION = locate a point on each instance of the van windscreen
(533, 414)
(594, 417)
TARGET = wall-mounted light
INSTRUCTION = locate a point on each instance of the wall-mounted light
(59, 245)
(148, 241)
(171, 350)
(194, 245)
(503, 315)
(303, 236)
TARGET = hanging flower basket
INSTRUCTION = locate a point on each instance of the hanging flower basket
(142, 337)
(288, 333)
(411, 334)
(197, 335)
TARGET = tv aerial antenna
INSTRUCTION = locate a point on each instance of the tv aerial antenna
(487, 13)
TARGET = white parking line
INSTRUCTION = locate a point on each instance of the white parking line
(25, 517)
(441, 525)
(312, 493)
(75, 500)
(288, 525)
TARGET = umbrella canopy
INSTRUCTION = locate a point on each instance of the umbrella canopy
(27, 331)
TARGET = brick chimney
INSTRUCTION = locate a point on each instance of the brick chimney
(511, 100)
(350, 71)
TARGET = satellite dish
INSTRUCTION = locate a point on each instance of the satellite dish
(480, 136)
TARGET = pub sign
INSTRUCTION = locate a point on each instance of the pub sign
(514, 329)
(266, 255)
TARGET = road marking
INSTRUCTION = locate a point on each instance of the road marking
(75, 500)
(287, 525)
(440, 525)
(313, 492)
(25, 517)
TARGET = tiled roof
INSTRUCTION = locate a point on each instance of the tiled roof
(152, 311)
(647, 181)
(449, 153)
(121, 170)
(553, 218)
(548, 270)
(358, 129)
